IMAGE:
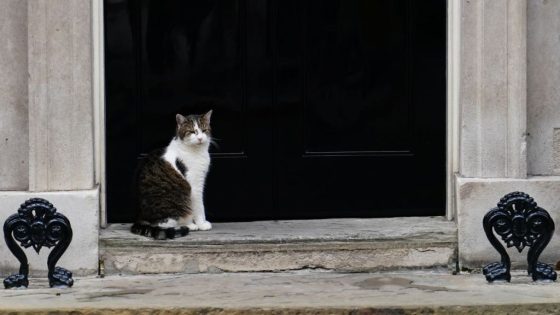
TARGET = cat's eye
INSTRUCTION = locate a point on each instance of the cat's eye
(205, 130)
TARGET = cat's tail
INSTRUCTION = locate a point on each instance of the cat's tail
(157, 232)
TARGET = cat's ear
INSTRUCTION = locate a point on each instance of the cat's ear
(180, 119)
(206, 117)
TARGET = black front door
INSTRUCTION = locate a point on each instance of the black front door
(322, 108)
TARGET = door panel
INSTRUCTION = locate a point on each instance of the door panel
(197, 61)
(322, 108)
(189, 57)
(360, 135)
(356, 75)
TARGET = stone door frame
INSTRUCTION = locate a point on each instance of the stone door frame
(99, 104)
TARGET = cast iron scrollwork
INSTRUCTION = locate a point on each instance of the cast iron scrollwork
(38, 225)
(520, 223)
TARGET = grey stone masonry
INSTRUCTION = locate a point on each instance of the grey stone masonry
(493, 96)
(46, 121)
(60, 95)
(543, 87)
(556, 141)
(333, 244)
(14, 149)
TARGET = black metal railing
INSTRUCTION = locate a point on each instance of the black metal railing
(37, 224)
(520, 223)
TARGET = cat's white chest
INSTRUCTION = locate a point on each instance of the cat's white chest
(196, 162)
(197, 167)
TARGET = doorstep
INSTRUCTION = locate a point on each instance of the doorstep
(299, 292)
(346, 245)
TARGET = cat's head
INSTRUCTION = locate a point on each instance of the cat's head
(194, 130)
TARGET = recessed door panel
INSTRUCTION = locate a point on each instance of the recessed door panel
(362, 128)
(357, 66)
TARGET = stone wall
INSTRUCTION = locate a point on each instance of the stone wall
(47, 120)
(46, 95)
(493, 89)
(60, 95)
(510, 74)
(543, 80)
(14, 136)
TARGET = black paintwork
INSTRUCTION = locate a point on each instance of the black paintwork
(322, 108)
(37, 224)
(520, 223)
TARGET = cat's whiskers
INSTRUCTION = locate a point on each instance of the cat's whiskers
(213, 142)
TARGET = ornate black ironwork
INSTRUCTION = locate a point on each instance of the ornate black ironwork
(38, 225)
(520, 223)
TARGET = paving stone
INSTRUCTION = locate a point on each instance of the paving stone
(303, 292)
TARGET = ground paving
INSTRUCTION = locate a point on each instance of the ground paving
(301, 292)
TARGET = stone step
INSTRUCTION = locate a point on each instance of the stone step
(301, 292)
(350, 245)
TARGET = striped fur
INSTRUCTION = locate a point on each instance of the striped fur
(170, 182)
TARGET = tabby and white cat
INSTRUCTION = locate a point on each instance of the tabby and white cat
(170, 182)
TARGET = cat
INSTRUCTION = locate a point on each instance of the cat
(170, 182)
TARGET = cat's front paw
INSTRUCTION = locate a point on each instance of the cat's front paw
(192, 227)
(204, 226)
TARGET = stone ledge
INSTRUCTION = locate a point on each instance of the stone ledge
(303, 292)
(333, 244)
